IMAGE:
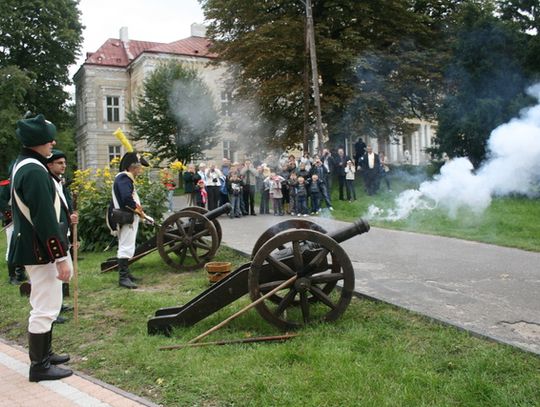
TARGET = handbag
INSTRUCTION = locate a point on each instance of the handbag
(122, 216)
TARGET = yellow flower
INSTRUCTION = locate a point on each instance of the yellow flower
(177, 166)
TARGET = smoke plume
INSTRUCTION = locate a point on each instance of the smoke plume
(512, 167)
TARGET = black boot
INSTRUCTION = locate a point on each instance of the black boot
(40, 363)
(12, 274)
(133, 278)
(123, 271)
(53, 357)
(20, 271)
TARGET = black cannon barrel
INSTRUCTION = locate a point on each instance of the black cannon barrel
(216, 213)
(357, 228)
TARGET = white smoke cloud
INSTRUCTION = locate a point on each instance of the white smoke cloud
(513, 166)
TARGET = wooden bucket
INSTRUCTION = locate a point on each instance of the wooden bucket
(217, 270)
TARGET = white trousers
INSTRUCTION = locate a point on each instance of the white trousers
(45, 296)
(9, 232)
(127, 237)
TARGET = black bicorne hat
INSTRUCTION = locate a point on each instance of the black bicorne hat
(130, 159)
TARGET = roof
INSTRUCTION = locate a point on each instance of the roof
(115, 52)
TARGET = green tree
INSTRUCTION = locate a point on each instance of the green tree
(526, 14)
(486, 83)
(42, 38)
(14, 85)
(176, 114)
(379, 61)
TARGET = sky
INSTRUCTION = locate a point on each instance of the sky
(147, 20)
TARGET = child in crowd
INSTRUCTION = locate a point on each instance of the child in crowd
(276, 193)
(301, 197)
(349, 181)
(316, 191)
(265, 192)
(201, 196)
(234, 186)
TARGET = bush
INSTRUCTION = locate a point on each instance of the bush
(93, 189)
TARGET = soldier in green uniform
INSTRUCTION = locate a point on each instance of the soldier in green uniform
(39, 242)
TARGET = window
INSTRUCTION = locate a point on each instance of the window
(114, 152)
(226, 103)
(228, 149)
(113, 109)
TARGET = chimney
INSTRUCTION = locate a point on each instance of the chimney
(124, 34)
(198, 30)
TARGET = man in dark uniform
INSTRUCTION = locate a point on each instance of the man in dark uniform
(370, 169)
(40, 243)
(125, 196)
(57, 167)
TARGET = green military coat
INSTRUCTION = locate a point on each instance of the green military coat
(42, 240)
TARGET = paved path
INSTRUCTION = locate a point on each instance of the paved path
(488, 290)
(76, 390)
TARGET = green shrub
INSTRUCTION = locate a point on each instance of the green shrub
(93, 189)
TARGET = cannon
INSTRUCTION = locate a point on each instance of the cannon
(294, 248)
(186, 240)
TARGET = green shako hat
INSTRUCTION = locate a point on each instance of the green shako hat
(35, 131)
(56, 154)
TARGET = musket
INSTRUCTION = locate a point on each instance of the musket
(144, 217)
(75, 266)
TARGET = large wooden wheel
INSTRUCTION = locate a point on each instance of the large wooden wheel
(318, 262)
(187, 240)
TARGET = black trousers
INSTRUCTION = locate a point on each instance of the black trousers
(213, 197)
(248, 195)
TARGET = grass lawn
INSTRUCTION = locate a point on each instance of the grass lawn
(375, 355)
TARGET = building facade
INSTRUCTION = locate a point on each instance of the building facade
(110, 81)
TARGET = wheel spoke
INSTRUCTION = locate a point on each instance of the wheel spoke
(327, 278)
(285, 302)
(280, 266)
(304, 304)
(298, 260)
(174, 248)
(321, 296)
(180, 227)
(266, 287)
(201, 234)
(191, 227)
(193, 251)
(183, 255)
(168, 237)
(316, 262)
(201, 244)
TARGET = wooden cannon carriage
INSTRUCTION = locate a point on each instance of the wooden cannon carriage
(316, 273)
(186, 240)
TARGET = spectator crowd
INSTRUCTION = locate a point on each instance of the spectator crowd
(286, 185)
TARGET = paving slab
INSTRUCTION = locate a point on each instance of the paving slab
(77, 390)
